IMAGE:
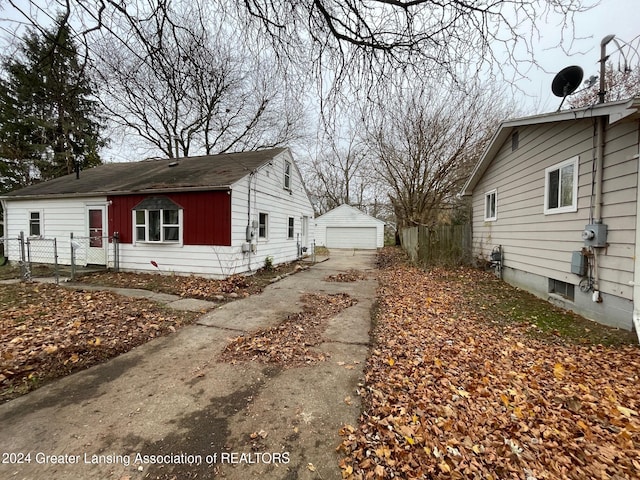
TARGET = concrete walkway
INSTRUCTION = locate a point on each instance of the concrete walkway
(170, 410)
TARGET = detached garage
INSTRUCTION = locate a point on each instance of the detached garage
(347, 227)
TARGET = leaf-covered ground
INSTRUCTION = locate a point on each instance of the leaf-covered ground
(291, 343)
(192, 286)
(458, 386)
(348, 276)
(184, 286)
(47, 331)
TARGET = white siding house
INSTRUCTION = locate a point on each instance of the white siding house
(347, 227)
(541, 183)
(214, 215)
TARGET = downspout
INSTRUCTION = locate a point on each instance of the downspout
(5, 232)
(3, 202)
(248, 232)
(636, 270)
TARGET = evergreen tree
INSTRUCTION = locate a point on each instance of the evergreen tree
(49, 122)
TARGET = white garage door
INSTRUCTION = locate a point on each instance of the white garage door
(351, 237)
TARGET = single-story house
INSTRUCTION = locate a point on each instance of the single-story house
(347, 227)
(559, 194)
(213, 215)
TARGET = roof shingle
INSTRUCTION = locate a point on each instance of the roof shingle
(188, 173)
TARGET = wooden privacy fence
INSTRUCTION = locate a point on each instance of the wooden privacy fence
(439, 245)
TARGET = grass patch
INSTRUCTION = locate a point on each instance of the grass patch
(9, 272)
(502, 304)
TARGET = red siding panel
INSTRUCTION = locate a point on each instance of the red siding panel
(206, 216)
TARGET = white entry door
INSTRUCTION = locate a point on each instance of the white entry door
(98, 242)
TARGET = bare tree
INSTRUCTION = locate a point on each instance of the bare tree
(620, 84)
(183, 87)
(425, 147)
(336, 173)
(358, 47)
(351, 46)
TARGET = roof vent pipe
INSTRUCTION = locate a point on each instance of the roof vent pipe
(603, 62)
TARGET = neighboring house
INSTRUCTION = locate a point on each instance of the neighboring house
(211, 215)
(347, 227)
(559, 193)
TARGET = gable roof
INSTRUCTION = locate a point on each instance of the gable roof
(623, 109)
(208, 172)
(353, 210)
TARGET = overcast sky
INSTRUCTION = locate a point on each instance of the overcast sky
(552, 52)
(617, 17)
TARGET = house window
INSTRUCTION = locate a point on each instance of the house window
(561, 187)
(290, 228)
(35, 225)
(287, 175)
(515, 141)
(490, 206)
(263, 225)
(564, 289)
(158, 220)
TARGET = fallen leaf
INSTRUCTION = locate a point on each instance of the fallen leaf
(627, 412)
(558, 371)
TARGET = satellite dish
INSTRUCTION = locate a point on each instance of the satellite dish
(566, 82)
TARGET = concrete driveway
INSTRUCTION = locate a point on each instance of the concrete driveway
(170, 410)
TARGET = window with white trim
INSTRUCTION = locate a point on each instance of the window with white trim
(35, 223)
(158, 219)
(263, 225)
(491, 205)
(287, 175)
(561, 187)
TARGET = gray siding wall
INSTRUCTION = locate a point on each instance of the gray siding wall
(542, 244)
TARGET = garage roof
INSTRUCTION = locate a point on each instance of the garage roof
(346, 212)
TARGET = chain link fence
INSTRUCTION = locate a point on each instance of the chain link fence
(50, 255)
(27, 252)
(93, 250)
